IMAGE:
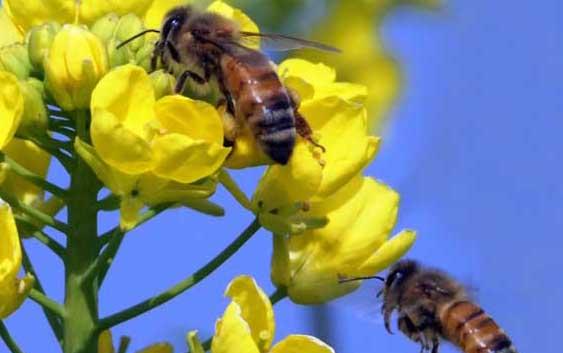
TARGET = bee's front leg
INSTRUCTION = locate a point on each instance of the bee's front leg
(183, 78)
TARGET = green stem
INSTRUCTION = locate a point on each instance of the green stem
(230, 184)
(109, 203)
(53, 320)
(81, 296)
(47, 303)
(32, 177)
(12, 345)
(34, 213)
(41, 236)
(124, 343)
(183, 285)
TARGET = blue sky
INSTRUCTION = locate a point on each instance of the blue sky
(474, 148)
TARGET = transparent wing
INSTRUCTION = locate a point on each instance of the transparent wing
(362, 303)
(280, 42)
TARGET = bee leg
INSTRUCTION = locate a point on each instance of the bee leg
(181, 81)
(230, 125)
(301, 125)
(156, 54)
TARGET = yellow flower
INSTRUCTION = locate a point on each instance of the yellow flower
(29, 13)
(336, 114)
(175, 137)
(248, 325)
(364, 59)
(354, 243)
(13, 291)
(11, 107)
(14, 58)
(9, 33)
(158, 348)
(139, 190)
(74, 65)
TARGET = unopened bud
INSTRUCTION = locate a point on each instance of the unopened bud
(34, 119)
(14, 58)
(39, 42)
(163, 83)
(117, 57)
(104, 28)
(128, 26)
(76, 62)
(144, 55)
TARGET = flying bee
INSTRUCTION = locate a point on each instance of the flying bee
(212, 47)
(432, 306)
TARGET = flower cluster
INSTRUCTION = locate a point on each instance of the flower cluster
(67, 91)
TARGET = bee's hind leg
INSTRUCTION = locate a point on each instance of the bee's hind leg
(301, 125)
(183, 78)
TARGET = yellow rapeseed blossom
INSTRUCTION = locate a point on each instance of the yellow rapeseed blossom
(76, 61)
(354, 243)
(175, 137)
(13, 291)
(11, 107)
(339, 120)
(248, 325)
(29, 13)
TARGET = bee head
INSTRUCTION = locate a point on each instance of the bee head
(400, 272)
(174, 20)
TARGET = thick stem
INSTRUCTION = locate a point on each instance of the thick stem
(81, 296)
(10, 343)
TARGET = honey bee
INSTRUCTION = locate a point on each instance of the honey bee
(212, 47)
(432, 306)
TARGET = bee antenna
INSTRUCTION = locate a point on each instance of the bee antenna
(342, 279)
(137, 36)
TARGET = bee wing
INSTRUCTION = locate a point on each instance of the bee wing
(364, 304)
(280, 42)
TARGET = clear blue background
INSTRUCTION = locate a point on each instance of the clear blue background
(474, 147)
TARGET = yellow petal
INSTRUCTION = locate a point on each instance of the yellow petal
(256, 309)
(246, 153)
(246, 24)
(118, 146)
(34, 159)
(119, 183)
(158, 348)
(91, 10)
(105, 342)
(123, 119)
(127, 92)
(196, 119)
(185, 160)
(337, 123)
(11, 107)
(391, 251)
(9, 33)
(301, 344)
(13, 291)
(284, 185)
(310, 73)
(232, 333)
(158, 9)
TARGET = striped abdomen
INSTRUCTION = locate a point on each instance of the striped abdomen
(261, 101)
(468, 326)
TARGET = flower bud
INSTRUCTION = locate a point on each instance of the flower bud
(104, 28)
(15, 59)
(34, 119)
(128, 26)
(76, 62)
(163, 83)
(39, 42)
(118, 56)
(144, 55)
